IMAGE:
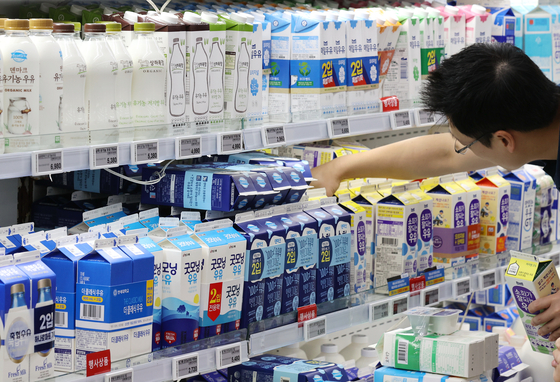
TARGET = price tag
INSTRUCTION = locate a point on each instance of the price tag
(306, 313)
(274, 135)
(425, 118)
(145, 152)
(555, 259)
(125, 375)
(47, 162)
(103, 156)
(185, 366)
(188, 147)
(315, 328)
(401, 119)
(487, 279)
(229, 355)
(430, 296)
(462, 286)
(339, 127)
(230, 142)
(400, 305)
(98, 362)
(379, 311)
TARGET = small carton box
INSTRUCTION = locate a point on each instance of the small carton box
(521, 209)
(425, 248)
(474, 195)
(530, 278)
(359, 267)
(503, 25)
(494, 212)
(454, 29)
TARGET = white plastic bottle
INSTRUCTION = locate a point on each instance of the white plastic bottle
(354, 350)
(313, 348)
(242, 92)
(148, 80)
(290, 351)
(101, 82)
(74, 71)
(51, 86)
(22, 112)
(200, 70)
(330, 353)
(366, 363)
(123, 95)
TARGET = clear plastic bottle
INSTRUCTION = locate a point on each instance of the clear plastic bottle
(354, 350)
(177, 104)
(123, 95)
(200, 71)
(148, 80)
(101, 82)
(74, 71)
(242, 91)
(77, 31)
(330, 353)
(367, 362)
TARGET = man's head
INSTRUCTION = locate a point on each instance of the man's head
(490, 92)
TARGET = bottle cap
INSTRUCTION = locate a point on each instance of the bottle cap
(369, 352)
(144, 27)
(2, 21)
(238, 18)
(169, 18)
(94, 28)
(192, 18)
(111, 26)
(44, 283)
(131, 16)
(16, 25)
(391, 18)
(258, 16)
(209, 17)
(329, 348)
(17, 288)
(360, 339)
(63, 28)
(46, 24)
(451, 9)
(347, 14)
(45, 7)
(478, 10)
(76, 9)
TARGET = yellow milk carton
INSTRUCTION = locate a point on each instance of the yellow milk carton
(530, 278)
(494, 212)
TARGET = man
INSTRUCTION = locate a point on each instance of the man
(502, 110)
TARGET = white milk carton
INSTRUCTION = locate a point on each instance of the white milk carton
(519, 28)
(181, 278)
(266, 58)
(279, 104)
(255, 44)
(425, 247)
(503, 25)
(554, 12)
(478, 24)
(340, 71)
(359, 267)
(521, 209)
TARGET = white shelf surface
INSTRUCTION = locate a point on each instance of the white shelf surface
(15, 165)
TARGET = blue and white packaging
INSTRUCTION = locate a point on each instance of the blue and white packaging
(149, 218)
(11, 237)
(255, 45)
(37, 242)
(164, 225)
(42, 289)
(17, 322)
(181, 269)
(157, 252)
(106, 280)
(503, 25)
(190, 219)
(99, 216)
(310, 371)
(279, 105)
(521, 209)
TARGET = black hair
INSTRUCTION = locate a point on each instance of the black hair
(489, 87)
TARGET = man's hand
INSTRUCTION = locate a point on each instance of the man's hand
(550, 317)
(556, 363)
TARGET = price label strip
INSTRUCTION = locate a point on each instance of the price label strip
(401, 119)
(488, 280)
(339, 127)
(145, 152)
(379, 311)
(229, 355)
(315, 328)
(188, 147)
(47, 162)
(125, 375)
(185, 366)
(103, 156)
(425, 118)
(274, 135)
(229, 143)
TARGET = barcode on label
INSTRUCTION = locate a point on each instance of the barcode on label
(431, 297)
(426, 117)
(400, 305)
(489, 280)
(381, 311)
(92, 312)
(185, 366)
(61, 319)
(555, 259)
(120, 376)
(463, 287)
(402, 119)
(340, 127)
(389, 241)
(402, 352)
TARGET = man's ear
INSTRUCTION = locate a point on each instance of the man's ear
(503, 137)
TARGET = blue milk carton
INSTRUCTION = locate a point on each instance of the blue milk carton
(42, 287)
(310, 371)
(181, 279)
(98, 216)
(503, 25)
(17, 322)
(149, 218)
(105, 281)
(521, 209)
(64, 263)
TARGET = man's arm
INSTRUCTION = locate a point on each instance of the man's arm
(422, 157)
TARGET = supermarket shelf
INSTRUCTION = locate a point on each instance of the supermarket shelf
(14, 165)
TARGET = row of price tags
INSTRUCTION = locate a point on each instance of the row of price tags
(188, 365)
(388, 308)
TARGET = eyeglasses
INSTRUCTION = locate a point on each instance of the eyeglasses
(463, 150)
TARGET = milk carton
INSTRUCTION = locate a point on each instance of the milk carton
(266, 58)
(518, 28)
(181, 280)
(530, 278)
(454, 29)
(157, 252)
(223, 250)
(388, 35)
(478, 24)
(63, 261)
(17, 322)
(543, 231)
(255, 44)
(42, 287)
(279, 105)
(430, 58)
(396, 235)
(494, 212)
(503, 25)
(554, 11)
(425, 248)
(521, 209)
(105, 280)
(473, 197)
(537, 37)
(99, 216)
(403, 78)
